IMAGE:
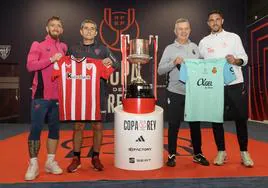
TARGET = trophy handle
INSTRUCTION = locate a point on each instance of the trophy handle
(154, 39)
(151, 37)
(155, 65)
(124, 62)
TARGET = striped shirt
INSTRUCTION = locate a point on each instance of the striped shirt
(79, 87)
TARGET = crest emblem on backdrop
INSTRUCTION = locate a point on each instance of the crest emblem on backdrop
(5, 51)
(116, 23)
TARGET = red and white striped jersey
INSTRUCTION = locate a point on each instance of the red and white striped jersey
(79, 87)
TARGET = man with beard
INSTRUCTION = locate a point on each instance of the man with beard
(89, 47)
(170, 64)
(220, 44)
(40, 61)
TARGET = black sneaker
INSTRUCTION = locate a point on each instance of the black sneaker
(200, 159)
(171, 160)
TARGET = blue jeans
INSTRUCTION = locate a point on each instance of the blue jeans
(39, 110)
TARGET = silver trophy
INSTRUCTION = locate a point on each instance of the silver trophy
(138, 96)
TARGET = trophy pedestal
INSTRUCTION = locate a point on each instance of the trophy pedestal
(138, 139)
(139, 99)
(138, 105)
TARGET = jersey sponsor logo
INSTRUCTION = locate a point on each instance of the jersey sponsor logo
(204, 82)
(114, 24)
(78, 76)
(89, 66)
(214, 70)
(5, 51)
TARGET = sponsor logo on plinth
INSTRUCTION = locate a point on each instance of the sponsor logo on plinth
(136, 125)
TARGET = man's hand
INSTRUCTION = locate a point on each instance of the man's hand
(56, 57)
(178, 61)
(232, 60)
(107, 62)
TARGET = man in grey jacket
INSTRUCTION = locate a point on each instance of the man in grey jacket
(170, 64)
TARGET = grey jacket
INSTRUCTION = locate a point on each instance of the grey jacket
(166, 65)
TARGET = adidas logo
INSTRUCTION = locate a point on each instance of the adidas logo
(140, 139)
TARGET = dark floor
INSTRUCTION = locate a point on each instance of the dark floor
(248, 182)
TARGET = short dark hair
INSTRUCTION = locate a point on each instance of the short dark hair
(88, 21)
(215, 12)
(54, 18)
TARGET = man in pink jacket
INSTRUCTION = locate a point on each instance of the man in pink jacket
(40, 61)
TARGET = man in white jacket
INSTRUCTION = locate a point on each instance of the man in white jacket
(220, 43)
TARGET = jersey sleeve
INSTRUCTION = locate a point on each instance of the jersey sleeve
(183, 73)
(106, 71)
(228, 73)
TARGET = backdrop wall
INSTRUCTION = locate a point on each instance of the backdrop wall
(22, 22)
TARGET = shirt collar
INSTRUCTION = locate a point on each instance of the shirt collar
(178, 44)
(217, 34)
(90, 45)
(79, 60)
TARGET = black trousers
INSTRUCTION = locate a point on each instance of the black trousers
(175, 108)
(235, 108)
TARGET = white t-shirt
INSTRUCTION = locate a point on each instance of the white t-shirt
(219, 45)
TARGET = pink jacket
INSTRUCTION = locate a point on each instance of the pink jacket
(39, 62)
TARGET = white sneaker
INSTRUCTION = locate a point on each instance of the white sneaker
(220, 158)
(32, 171)
(53, 167)
(246, 159)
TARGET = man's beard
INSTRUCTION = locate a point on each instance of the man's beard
(53, 35)
(216, 30)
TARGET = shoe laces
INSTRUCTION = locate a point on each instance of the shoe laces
(221, 155)
(200, 156)
(31, 168)
(246, 157)
(54, 164)
(96, 162)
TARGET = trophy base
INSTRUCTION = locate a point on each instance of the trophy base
(138, 105)
(139, 90)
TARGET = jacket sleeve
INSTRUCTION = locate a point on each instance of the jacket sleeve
(240, 51)
(34, 62)
(115, 64)
(201, 48)
(166, 63)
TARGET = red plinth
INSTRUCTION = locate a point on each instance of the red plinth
(138, 105)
